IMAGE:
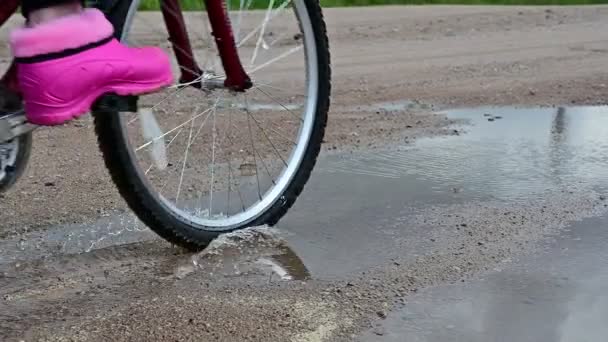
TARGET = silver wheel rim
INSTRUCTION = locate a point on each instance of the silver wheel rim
(274, 193)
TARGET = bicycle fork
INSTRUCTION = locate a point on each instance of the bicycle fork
(236, 77)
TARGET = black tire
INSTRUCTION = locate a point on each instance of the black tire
(14, 172)
(156, 215)
(9, 103)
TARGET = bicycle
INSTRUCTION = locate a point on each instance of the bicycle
(220, 178)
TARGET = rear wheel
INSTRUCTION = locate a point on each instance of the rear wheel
(14, 156)
(15, 153)
(233, 160)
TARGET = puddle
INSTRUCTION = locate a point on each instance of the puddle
(390, 106)
(507, 153)
(257, 251)
(559, 295)
(75, 238)
(357, 212)
(521, 155)
(254, 255)
(36, 292)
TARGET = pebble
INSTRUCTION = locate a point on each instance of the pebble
(379, 331)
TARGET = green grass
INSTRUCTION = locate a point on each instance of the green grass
(197, 4)
(336, 3)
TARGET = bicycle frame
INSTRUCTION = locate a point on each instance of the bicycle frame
(236, 77)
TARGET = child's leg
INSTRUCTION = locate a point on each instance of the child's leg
(67, 58)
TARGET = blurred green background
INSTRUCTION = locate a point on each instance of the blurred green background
(196, 4)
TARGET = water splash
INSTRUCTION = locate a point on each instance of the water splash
(256, 251)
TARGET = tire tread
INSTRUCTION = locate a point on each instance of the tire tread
(148, 209)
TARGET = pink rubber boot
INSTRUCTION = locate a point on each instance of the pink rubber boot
(66, 64)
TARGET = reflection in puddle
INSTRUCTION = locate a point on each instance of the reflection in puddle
(557, 296)
(287, 264)
(587, 313)
(524, 152)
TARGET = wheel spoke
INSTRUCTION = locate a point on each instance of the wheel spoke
(276, 59)
(262, 31)
(212, 164)
(167, 147)
(238, 189)
(280, 135)
(176, 15)
(259, 27)
(175, 46)
(230, 172)
(266, 168)
(212, 158)
(153, 27)
(278, 38)
(252, 147)
(267, 138)
(229, 158)
(280, 104)
(181, 177)
(266, 85)
(207, 57)
(213, 108)
(182, 85)
(208, 110)
(158, 104)
(239, 23)
(190, 144)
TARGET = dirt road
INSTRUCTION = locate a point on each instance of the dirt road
(317, 284)
(446, 56)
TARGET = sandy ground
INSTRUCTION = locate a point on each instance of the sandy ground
(228, 296)
(444, 56)
(450, 56)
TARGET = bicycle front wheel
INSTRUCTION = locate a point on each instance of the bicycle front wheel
(233, 160)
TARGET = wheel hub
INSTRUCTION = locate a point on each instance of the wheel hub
(208, 81)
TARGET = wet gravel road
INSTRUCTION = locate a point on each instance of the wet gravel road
(489, 226)
(558, 294)
(371, 231)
